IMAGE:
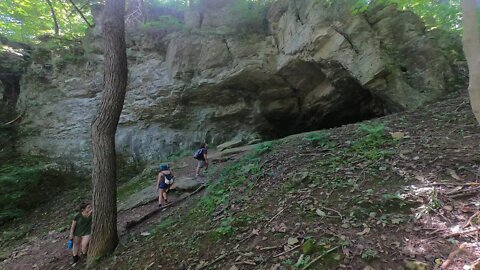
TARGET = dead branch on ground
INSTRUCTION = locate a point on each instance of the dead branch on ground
(133, 223)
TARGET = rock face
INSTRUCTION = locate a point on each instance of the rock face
(317, 66)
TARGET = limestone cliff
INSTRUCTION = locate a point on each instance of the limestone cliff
(314, 65)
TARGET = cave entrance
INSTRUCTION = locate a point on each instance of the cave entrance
(10, 84)
(316, 95)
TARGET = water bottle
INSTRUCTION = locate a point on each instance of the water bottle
(70, 244)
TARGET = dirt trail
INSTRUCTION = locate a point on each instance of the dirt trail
(49, 251)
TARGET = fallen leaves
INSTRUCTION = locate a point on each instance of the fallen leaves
(292, 241)
(398, 135)
(366, 230)
(320, 213)
(454, 174)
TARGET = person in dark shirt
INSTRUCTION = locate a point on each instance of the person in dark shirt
(202, 159)
(80, 231)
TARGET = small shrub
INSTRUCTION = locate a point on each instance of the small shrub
(164, 23)
(372, 145)
(226, 229)
(263, 148)
(319, 138)
(369, 254)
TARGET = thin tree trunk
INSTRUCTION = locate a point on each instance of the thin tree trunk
(104, 226)
(81, 14)
(54, 16)
(471, 47)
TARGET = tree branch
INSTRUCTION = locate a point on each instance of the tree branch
(81, 14)
(54, 16)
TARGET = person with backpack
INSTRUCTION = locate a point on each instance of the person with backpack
(80, 231)
(202, 158)
(164, 182)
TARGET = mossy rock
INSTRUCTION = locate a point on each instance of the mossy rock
(309, 247)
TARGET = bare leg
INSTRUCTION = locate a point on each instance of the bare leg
(76, 245)
(161, 194)
(165, 196)
(197, 171)
(84, 243)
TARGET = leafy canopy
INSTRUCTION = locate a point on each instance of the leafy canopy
(26, 20)
(443, 14)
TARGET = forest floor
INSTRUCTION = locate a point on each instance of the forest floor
(398, 192)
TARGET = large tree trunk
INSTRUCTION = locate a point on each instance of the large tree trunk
(471, 47)
(54, 16)
(104, 126)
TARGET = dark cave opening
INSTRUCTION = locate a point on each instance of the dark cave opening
(364, 108)
(10, 86)
(323, 95)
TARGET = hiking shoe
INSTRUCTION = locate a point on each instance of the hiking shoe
(159, 205)
(75, 259)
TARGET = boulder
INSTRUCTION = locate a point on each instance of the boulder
(144, 196)
(186, 184)
(230, 144)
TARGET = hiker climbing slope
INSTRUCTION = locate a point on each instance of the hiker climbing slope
(202, 159)
(164, 182)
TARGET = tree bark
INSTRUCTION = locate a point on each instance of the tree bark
(104, 225)
(54, 16)
(471, 47)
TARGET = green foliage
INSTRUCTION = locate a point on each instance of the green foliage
(369, 254)
(310, 246)
(12, 235)
(23, 185)
(174, 5)
(445, 16)
(58, 53)
(249, 16)
(263, 148)
(26, 20)
(226, 229)
(319, 138)
(165, 23)
(165, 225)
(129, 188)
(372, 145)
(231, 178)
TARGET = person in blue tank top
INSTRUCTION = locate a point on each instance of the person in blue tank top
(164, 182)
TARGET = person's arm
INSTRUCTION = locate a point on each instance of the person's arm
(158, 179)
(171, 171)
(72, 229)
